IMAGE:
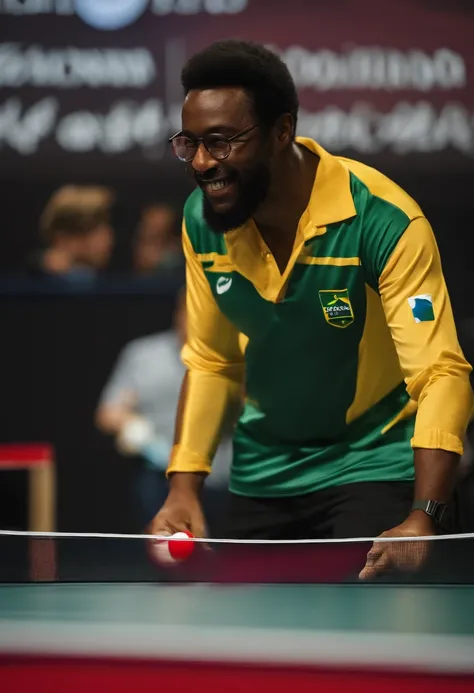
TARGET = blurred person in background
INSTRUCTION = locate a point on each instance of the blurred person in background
(138, 407)
(156, 245)
(76, 228)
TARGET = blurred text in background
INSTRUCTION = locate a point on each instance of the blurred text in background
(91, 197)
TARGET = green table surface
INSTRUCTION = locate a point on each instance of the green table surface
(430, 626)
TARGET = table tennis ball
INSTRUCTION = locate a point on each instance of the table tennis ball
(173, 550)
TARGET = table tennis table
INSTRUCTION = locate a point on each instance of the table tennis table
(143, 637)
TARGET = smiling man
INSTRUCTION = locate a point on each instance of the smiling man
(357, 394)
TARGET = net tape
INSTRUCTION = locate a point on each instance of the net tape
(208, 540)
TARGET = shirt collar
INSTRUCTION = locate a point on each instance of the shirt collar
(331, 198)
(330, 202)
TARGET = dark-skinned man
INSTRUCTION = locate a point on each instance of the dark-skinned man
(357, 393)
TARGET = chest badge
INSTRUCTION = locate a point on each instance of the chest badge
(337, 307)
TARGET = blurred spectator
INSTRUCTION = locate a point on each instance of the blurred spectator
(138, 407)
(156, 245)
(75, 226)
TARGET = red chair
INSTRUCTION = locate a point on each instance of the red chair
(38, 460)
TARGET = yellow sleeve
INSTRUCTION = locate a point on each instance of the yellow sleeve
(436, 372)
(215, 363)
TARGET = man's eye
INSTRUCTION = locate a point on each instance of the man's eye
(218, 143)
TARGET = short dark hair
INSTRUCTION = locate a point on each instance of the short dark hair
(251, 66)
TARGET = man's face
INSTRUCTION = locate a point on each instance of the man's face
(235, 187)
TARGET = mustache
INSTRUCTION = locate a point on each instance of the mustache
(213, 174)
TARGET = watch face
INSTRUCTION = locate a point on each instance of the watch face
(437, 510)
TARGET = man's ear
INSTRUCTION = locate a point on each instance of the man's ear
(284, 127)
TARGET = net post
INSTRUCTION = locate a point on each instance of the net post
(42, 518)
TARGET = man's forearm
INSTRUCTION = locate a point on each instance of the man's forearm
(435, 474)
(206, 403)
(435, 477)
(186, 483)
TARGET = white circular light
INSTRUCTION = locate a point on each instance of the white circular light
(109, 15)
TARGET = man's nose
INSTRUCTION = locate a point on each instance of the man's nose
(203, 160)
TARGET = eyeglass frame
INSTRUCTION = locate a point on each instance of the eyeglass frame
(201, 140)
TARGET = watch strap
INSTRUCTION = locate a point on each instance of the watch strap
(434, 509)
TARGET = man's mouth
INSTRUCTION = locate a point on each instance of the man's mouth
(220, 190)
(215, 185)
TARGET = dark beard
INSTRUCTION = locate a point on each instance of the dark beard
(253, 191)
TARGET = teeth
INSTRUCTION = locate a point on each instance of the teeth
(217, 185)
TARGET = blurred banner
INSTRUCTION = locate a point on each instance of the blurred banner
(95, 83)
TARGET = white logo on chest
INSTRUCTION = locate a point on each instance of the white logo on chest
(223, 285)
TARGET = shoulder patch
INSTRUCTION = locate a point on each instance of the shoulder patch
(422, 307)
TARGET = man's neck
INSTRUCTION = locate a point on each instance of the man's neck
(289, 194)
(278, 219)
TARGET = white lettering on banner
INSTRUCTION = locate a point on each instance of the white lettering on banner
(31, 6)
(160, 7)
(125, 126)
(197, 6)
(24, 132)
(75, 67)
(375, 68)
(407, 128)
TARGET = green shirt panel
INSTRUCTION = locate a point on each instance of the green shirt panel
(301, 370)
(302, 356)
(202, 237)
(380, 225)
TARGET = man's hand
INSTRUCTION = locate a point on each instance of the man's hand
(181, 511)
(403, 555)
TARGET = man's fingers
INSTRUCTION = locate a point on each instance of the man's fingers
(378, 560)
(201, 532)
(374, 554)
(411, 555)
(166, 529)
(160, 531)
(404, 556)
(161, 526)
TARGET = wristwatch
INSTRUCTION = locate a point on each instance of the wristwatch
(434, 509)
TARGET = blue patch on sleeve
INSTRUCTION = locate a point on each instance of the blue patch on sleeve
(422, 307)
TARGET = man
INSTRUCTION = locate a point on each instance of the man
(76, 228)
(333, 274)
(138, 406)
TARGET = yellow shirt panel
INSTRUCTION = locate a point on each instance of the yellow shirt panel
(377, 354)
(384, 187)
(214, 358)
(435, 370)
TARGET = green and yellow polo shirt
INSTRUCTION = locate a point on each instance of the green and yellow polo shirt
(347, 360)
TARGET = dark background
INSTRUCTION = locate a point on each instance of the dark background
(57, 347)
